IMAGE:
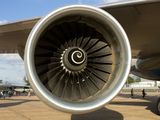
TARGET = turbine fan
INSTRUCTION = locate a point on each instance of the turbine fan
(73, 60)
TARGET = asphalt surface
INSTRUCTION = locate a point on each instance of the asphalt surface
(121, 108)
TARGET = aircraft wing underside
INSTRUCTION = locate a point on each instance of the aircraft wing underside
(140, 20)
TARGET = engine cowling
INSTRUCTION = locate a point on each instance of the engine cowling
(77, 58)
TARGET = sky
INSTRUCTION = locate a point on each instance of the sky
(11, 65)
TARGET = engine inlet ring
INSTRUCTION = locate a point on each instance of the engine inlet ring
(104, 24)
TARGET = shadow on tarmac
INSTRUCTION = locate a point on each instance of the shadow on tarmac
(10, 104)
(15, 103)
(150, 101)
(100, 114)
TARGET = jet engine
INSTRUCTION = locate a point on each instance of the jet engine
(77, 58)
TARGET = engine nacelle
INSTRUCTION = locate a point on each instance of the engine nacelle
(151, 75)
(77, 58)
(148, 64)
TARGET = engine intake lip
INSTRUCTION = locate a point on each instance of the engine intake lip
(120, 47)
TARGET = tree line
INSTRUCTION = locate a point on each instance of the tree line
(131, 80)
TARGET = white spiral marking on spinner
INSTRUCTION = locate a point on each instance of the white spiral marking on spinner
(79, 55)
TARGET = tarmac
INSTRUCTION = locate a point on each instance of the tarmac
(121, 108)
